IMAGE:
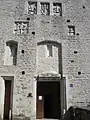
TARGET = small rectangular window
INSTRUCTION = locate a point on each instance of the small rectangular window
(71, 30)
(49, 50)
(45, 9)
(57, 9)
(32, 8)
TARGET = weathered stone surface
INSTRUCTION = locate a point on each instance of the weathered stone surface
(33, 62)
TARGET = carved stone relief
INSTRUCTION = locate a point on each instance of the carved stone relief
(21, 27)
(32, 8)
(57, 10)
(45, 9)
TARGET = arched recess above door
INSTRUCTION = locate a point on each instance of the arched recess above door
(49, 56)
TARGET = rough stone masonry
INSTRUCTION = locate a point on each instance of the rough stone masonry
(43, 38)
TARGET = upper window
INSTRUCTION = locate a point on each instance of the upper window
(49, 50)
(45, 8)
(21, 27)
(57, 9)
(71, 30)
(32, 8)
(10, 53)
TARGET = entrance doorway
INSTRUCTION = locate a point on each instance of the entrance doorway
(7, 99)
(48, 100)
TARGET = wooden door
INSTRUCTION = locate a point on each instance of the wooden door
(7, 99)
(40, 108)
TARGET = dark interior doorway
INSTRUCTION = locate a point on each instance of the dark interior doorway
(7, 99)
(49, 105)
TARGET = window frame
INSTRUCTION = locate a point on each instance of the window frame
(47, 3)
(18, 29)
(32, 2)
(11, 44)
(69, 30)
(49, 49)
(55, 4)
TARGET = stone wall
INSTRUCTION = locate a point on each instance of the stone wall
(75, 50)
(23, 83)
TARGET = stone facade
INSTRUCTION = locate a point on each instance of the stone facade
(71, 53)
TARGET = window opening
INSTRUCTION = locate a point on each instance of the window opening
(49, 50)
(68, 20)
(79, 73)
(32, 8)
(57, 9)
(45, 9)
(22, 51)
(21, 27)
(23, 72)
(11, 53)
(71, 30)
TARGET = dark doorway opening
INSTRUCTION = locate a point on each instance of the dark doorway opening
(49, 105)
(7, 99)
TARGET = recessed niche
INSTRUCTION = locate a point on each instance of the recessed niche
(75, 52)
(72, 61)
(11, 53)
(71, 30)
(49, 50)
(22, 51)
(28, 18)
(21, 27)
(33, 33)
(77, 34)
(68, 20)
(29, 95)
(45, 8)
(83, 7)
(57, 9)
(23, 72)
(79, 73)
(71, 85)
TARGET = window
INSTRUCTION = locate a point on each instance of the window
(32, 8)
(71, 30)
(10, 53)
(45, 9)
(21, 27)
(57, 9)
(49, 50)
